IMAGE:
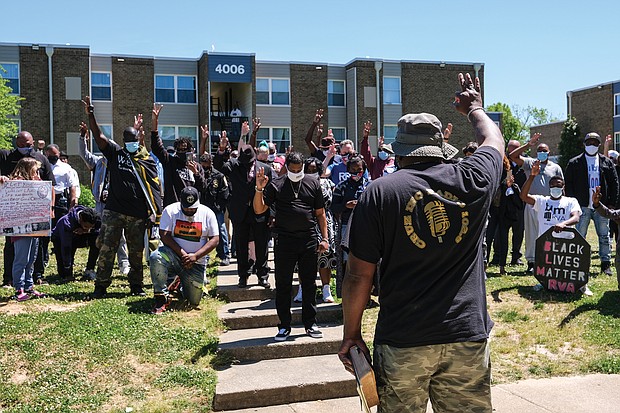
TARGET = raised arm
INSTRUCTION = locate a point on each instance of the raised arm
(317, 119)
(259, 201)
(515, 155)
(102, 141)
(157, 145)
(255, 127)
(469, 103)
(525, 192)
(365, 146)
(204, 138)
(88, 158)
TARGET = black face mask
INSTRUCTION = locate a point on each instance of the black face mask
(182, 156)
(53, 159)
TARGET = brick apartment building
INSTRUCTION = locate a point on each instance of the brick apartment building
(284, 95)
(596, 109)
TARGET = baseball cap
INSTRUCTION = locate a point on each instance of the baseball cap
(592, 135)
(190, 197)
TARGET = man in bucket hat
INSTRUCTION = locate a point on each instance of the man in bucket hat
(425, 223)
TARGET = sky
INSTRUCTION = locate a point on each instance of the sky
(533, 51)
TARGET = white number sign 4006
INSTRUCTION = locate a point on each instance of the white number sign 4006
(230, 69)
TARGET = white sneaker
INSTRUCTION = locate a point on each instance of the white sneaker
(124, 268)
(586, 291)
(327, 294)
(298, 297)
(90, 275)
(283, 334)
(538, 287)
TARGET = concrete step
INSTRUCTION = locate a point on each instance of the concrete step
(343, 405)
(227, 287)
(257, 313)
(258, 343)
(276, 382)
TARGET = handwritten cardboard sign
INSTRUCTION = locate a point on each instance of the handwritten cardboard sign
(562, 264)
(25, 208)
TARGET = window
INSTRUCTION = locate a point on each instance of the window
(391, 90)
(169, 133)
(340, 134)
(616, 140)
(101, 86)
(335, 93)
(281, 137)
(107, 131)
(10, 72)
(617, 104)
(175, 89)
(389, 133)
(272, 92)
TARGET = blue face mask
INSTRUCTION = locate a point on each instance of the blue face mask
(25, 151)
(383, 155)
(132, 147)
(542, 156)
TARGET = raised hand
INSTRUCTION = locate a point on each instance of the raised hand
(332, 150)
(447, 132)
(381, 142)
(261, 179)
(245, 128)
(137, 121)
(204, 132)
(255, 125)
(596, 196)
(534, 140)
(157, 107)
(87, 104)
(367, 127)
(535, 168)
(469, 97)
(192, 166)
(319, 131)
(318, 116)
(223, 141)
(83, 130)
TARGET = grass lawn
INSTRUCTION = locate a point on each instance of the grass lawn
(543, 334)
(66, 354)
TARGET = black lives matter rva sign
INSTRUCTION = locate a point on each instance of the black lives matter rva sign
(562, 260)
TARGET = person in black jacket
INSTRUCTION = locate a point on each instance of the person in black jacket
(214, 193)
(242, 175)
(584, 173)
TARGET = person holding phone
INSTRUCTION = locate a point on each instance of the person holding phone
(176, 174)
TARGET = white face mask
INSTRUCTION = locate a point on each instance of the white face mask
(337, 159)
(591, 150)
(295, 176)
(313, 175)
(556, 192)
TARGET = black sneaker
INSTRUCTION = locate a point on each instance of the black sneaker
(530, 268)
(137, 291)
(243, 282)
(99, 292)
(606, 268)
(283, 334)
(264, 283)
(162, 303)
(314, 331)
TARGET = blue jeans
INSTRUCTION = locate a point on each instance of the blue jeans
(222, 247)
(164, 261)
(601, 225)
(23, 264)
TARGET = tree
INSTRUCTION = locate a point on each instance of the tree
(9, 106)
(517, 121)
(571, 143)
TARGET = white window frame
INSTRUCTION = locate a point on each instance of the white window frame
(19, 83)
(176, 88)
(616, 104)
(400, 91)
(344, 94)
(177, 135)
(91, 86)
(389, 139)
(333, 128)
(271, 128)
(270, 79)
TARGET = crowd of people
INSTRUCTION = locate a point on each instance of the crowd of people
(384, 220)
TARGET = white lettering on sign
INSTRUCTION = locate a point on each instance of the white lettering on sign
(230, 69)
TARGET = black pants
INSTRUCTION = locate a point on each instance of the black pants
(43, 255)
(288, 252)
(261, 233)
(518, 230)
(9, 256)
(65, 269)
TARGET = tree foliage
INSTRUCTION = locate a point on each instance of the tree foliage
(517, 120)
(9, 106)
(571, 143)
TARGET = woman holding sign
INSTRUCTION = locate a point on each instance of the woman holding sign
(25, 247)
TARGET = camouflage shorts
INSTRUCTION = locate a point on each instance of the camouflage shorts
(455, 376)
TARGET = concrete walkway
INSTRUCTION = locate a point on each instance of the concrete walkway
(598, 393)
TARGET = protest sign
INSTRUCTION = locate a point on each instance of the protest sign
(562, 260)
(25, 208)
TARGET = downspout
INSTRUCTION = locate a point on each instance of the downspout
(569, 97)
(378, 67)
(50, 51)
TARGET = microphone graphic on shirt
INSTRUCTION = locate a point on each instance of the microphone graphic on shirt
(437, 218)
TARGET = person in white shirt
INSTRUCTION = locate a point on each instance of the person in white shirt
(554, 211)
(74, 175)
(66, 186)
(189, 232)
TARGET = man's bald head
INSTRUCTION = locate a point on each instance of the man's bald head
(512, 145)
(24, 140)
(543, 147)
